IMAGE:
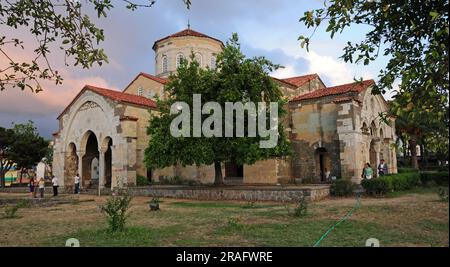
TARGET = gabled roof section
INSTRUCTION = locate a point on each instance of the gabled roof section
(357, 87)
(148, 76)
(301, 80)
(284, 82)
(116, 96)
(184, 33)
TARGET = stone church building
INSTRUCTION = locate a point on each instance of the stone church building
(102, 132)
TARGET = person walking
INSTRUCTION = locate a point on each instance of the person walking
(368, 172)
(41, 187)
(36, 186)
(77, 183)
(55, 186)
(382, 168)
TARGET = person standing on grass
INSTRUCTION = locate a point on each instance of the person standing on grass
(36, 186)
(368, 172)
(382, 168)
(77, 184)
(41, 187)
(55, 185)
(31, 186)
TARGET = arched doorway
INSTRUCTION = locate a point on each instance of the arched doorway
(71, 164)
(323, 163)
(90, 158)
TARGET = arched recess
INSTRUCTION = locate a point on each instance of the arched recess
(89, 145)
(322, 162)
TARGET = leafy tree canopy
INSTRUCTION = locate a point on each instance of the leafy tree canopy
(53, 23)
(20, 145)
(236, 78)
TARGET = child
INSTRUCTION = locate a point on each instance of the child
(31, 186)
(41, 186)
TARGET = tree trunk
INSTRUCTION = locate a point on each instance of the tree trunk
(218, 179)
(20, 177)
(412, 148)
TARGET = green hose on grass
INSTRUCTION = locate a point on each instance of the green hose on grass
(339, 222)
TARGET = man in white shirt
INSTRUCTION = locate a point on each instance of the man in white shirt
(77, 184)
(55, 186)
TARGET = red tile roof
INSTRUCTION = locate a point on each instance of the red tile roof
(115, 95)
(301, 80)
(336, 90)
(183, 33)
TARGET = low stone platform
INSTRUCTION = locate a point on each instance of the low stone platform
(242, 192)
(238, 192)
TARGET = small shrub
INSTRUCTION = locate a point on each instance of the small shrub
(142, 180)
(443, 193)
(11, 211)
(377, 186)
(341, 187)
(154, 204)
(116, 208)
(301, 208)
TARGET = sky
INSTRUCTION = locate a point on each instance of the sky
(267, 28)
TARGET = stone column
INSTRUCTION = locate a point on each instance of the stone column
(101, 167)
(80, 155)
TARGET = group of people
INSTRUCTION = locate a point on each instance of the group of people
(367, 172)
(36, 185)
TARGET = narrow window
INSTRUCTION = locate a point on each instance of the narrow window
(164, 64)
(140, 91)
(180, 57)
(213, 63)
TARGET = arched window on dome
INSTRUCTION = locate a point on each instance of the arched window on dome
(213, 63)
(164, 64)
(180, 57)
(199, 59)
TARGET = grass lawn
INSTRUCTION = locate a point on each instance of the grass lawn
(414, 218)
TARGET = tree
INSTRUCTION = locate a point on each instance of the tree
(22, 146)
(53, 23)
(414, 35)
(236, 78)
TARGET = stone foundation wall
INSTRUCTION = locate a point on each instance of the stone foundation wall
(312, 193)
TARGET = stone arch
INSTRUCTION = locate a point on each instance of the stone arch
(373, 129)
(89, 145)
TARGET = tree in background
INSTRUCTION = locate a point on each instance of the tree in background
(53, 23)
(236, 79)
(414, 35)
(20, 145)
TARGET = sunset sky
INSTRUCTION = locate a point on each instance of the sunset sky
(267, 28)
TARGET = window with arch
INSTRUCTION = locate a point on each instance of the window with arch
(381, 133)
(140, 91)
(213, 63)
(372, 104)
(180, 58)
(199, 58)
(164, 64)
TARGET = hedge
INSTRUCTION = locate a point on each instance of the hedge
(392, 182)
(341, 187)
(430, 177)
